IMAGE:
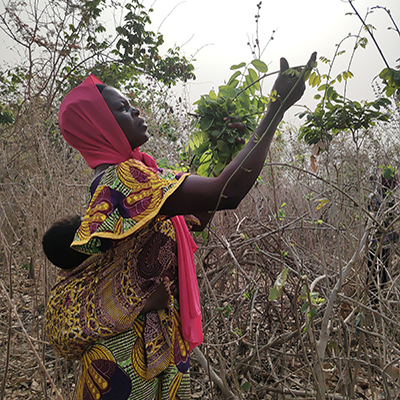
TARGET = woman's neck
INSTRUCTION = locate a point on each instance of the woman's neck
(100, 168)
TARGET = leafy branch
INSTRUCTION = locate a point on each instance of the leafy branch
(389, 76)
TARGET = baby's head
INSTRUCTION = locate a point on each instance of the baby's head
(57, 241)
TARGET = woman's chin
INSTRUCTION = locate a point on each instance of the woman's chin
(140, 143)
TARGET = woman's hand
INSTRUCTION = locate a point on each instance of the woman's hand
(288, 87)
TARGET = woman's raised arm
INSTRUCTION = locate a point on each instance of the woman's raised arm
(198, 195)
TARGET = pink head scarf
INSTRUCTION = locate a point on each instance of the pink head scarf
(88, 125)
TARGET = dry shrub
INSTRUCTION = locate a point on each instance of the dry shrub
(42, 179)
(315, 226)
(258, 348)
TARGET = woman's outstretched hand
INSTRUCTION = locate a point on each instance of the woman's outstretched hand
(288, 87)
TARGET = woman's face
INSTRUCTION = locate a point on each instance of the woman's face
(127, 117)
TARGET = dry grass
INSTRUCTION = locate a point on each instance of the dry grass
(259, 349)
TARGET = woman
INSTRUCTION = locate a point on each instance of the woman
(382, 204)
(123, 311)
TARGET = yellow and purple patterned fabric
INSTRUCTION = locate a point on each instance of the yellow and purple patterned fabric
(123, 199)
(94, 310)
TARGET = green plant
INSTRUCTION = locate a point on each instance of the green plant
(71, 40)
(6, 116)
(215, 142)
(390, 76)
(388, 172)
(310, 300)
(276, 291)
(224, 310)
(391, 80)
(335, 114)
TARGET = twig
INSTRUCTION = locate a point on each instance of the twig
(344, 193)
(324, 332)
(264, 235)
(319, 370)
(215, 378)
(299, 331)
(211, 295)
(391, 18)
(370, 32)
(302, 393)
(9, 328)
(37, 356)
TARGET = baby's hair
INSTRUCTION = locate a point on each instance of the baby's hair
(57, 240)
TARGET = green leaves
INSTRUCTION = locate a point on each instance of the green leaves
(388, 172)
(226, 311)
(238, 66)
(260, 66)
(391, 79)
(252, 81)
(239, 102)
(309, 309)
(6, 116)
(314, 79)
(246, 386)
(206, 123)
(338, 115)
(276, 291)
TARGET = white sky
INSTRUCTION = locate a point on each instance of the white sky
(218, 31)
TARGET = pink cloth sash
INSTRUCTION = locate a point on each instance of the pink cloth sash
(189, 300)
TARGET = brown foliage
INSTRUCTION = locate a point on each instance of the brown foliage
(311, 224)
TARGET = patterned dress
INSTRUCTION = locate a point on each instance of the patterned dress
(94, 310)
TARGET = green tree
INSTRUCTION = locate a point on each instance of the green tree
(59, 43)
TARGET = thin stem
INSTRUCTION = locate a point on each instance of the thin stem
(370, 32)
(396, 28)
(344, 193)
(31, 345)
(319, 371)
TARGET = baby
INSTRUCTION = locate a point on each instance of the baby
(56, 246)
(57, 241)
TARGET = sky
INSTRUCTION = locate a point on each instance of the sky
(216, 33)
